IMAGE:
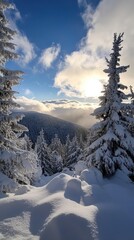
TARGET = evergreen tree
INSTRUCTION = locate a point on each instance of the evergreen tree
(111, 144)
(56, 162)
(131, 110)
(27, 143)
(56, 145)
(11, 156)
(81, 142)
(66, 147)
(43, 153)
(132, 101)
(73, 153)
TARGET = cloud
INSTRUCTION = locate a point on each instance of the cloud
(29, 104)
(49, 55)
(24, 47)
(80, 116)
(28, 92)
(82, 3)
(73, 111)
(69, 110)
(78, 76)
(81, 72)
(17, 15)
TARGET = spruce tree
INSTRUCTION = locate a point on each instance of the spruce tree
(56, 162)
(28, 143)
(66, 147)
(43, 153)
(14, 162)
(56, 145)
(74, 152)
(110, 143)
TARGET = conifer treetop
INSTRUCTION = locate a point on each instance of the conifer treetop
(110, 144)
(114, 62)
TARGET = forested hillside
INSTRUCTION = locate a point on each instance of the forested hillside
(36, 121)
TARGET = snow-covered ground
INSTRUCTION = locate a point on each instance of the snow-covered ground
(85, 207)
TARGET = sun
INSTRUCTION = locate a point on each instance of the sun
(92, 87)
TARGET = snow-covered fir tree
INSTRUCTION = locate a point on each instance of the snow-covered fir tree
(131, 110)
(43, 152)
(111, 144)
(27, 145)
(132, 101)
(81, 142)
(56, 145)
(66, 149)
(56, 162)
(73, 152)
(11, 155)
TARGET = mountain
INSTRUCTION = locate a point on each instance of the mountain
(35, 121)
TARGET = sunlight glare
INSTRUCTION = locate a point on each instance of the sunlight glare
(92, 87)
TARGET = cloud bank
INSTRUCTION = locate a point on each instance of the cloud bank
(81, 72)
(69, 110)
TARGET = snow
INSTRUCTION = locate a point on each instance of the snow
(7, 184)
(79, 167)
(92, 176)
(70, 208)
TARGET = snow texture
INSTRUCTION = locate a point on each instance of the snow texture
(70, 208)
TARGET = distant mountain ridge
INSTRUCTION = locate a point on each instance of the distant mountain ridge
(35, 121)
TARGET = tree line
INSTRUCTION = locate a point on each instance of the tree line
(54, 157)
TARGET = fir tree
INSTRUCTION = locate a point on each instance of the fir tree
(111, 144)
(132, 101)
(56, 162)
(8, 124)
(56, 145)
(12, 162)
(73, 153)
(66, 147)
(131, 110)
(43, 153)
(27, 143)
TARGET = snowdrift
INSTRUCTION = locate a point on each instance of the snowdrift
(85, 207)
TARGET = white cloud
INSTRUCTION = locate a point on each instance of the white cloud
(79, 76)
(72, 111)
(25, 48)
(81, 72)
(17, 14)
(49, 55)
(69, 110)
(28, 92)
(82, 3)
(23, 45)
(29, 104)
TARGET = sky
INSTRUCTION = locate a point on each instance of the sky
(62, 46)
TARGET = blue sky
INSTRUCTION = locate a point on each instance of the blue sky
(48, 23)
(62, 46)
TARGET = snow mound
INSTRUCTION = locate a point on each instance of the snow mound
(79, 167)
(68, 171)
(23, 189)
(71, 226)
(92, 176)
(58, 183)
(73, 190)
(70, 208)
